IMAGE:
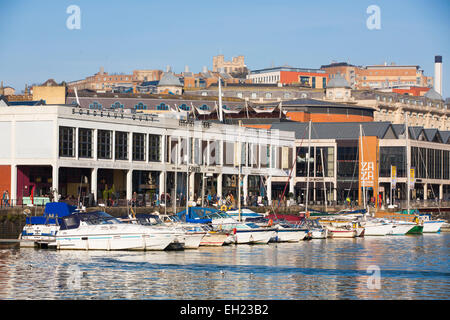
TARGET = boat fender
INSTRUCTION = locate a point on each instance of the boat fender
(270, 222)
(234, 230)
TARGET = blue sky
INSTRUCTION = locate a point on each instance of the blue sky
(127, 35)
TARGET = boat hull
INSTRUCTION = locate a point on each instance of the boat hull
(416, 230)
(291, 235)
(432, 226)
(401, 229)
(319, 234)
(214, 239)
(192, 240)
(334, 233)
(128, 237)
(377, 230)
(253, 236)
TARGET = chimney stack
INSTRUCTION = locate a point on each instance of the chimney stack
(438, 74)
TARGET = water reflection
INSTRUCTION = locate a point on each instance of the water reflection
(412, 267)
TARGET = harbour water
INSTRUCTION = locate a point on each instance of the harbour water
(410, 267)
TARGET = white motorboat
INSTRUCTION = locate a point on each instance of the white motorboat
(341, 232)
(431, 226)
(100, 231)
(374, 228)
(290, 233)
(401, 228)
(41, 230)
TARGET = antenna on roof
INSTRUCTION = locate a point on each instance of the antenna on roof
(76, 96)
(220, 101)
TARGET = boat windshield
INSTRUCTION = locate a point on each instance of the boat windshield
(148, 220)
(99, 217)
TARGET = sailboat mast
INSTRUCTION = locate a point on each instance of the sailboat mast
(408, 162)
(362, 161)
(324, 184)
(307, 164)
(220, 100)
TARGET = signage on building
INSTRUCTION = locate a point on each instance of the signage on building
(412, 177)
(393, 177)
(368, 166)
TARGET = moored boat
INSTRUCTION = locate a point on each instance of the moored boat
(340, 232)
(100, 231)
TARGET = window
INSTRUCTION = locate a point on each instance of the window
(239, 95)
(121, 148)
(85, 143)
(104, 144)
(140, 106)
(253, 95)
(204, 107)
(154, 148)
(313, 82)
(117, 105)
(66, 142)
(95, 105)
(268, 95)
(162, 106)
(185, 107)
(139, 146)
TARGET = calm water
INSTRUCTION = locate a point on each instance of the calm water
(411, 267)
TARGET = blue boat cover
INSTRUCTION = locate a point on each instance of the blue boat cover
(196, 215)
(60, 209)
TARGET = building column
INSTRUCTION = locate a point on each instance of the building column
(335, 192)
(245, 189)
(162, 183)
(269, 190)
(192, 186)
(219, 185)
(94, 174)
(55, 182)
(441, 191)
(425, 191)
(13, 191)
(129, 184)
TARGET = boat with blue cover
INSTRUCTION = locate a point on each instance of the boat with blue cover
(41, 230)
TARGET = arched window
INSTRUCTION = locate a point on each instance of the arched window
(117, 105)
(204, 107)
(140, 106)
(185, 107)
(162, 106)
(95, 105)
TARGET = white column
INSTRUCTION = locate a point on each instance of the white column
(269, 190)
(441, 191)
(13, 191)
(219, 185)
(245, 188)
(129, 184)
(95, 142)
(162, 183)
(94, 174)
(425, 191)
(55, 181)
(192, 186)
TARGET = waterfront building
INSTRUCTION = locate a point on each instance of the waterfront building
(236, 65)
(312, 78)
(379, 76)
(335, 157)
(105, 82)
(72, 150)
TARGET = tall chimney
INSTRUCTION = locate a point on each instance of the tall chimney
(438, 74)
